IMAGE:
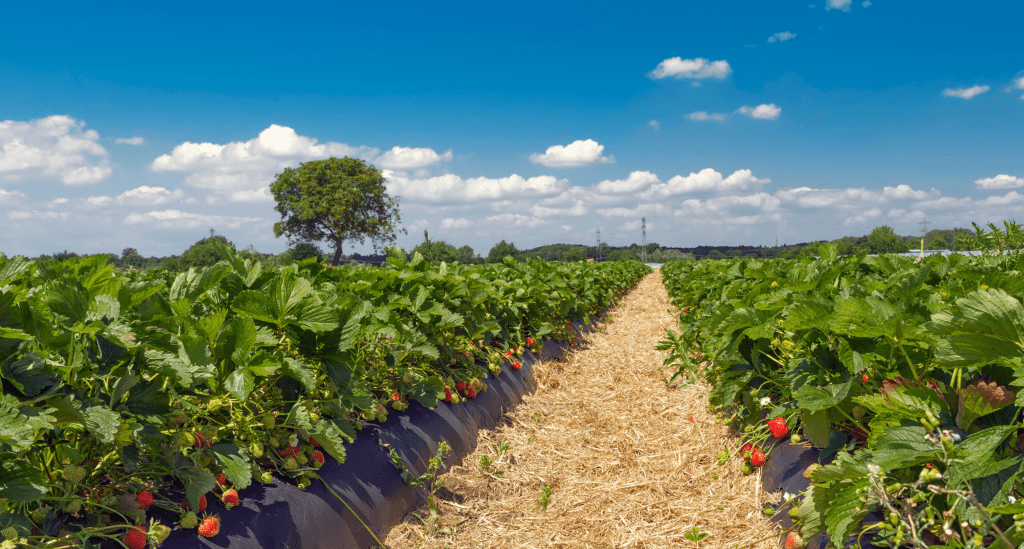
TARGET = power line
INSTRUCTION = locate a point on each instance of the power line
(643, 233)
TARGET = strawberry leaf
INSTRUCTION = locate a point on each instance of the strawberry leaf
(235, 464)
(981, 399)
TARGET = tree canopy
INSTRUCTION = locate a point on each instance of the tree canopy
(502, 249)
(883, 240)
(337, 200)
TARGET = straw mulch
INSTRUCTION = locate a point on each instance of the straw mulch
(625, 464)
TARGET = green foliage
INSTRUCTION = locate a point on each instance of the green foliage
(204, 253)
(575, 254)
(305, 250)
(883, 240)
(501, 250)
(338, 200)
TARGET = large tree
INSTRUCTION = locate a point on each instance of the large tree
(337, 200)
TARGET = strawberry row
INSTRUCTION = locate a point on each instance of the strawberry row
(116, 385)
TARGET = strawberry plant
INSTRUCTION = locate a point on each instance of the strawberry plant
(908, 372)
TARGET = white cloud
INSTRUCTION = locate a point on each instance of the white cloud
(843, 5)
(901, 192)
(149, 196)
(762, 111)
(781, 37)
(578, 153)
(25, 215)
(702, 116)
(450, 187)
(98, 201)
(10, 196)
(636, 181)
(460, 223)
(407, 158)
(641, 210)
(862, 217)
(567, 228)
(698, 68)
(243, 171)
(1001, 181)
(576, 210)
(52, 148)
(175, 219)
(508, 220)
(419, 225)
(129, 140)
(1019, 84)
(655, 125)
(965, 93)
(706, 180)
(866, 3)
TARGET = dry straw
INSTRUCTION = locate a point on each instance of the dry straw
(625, 465)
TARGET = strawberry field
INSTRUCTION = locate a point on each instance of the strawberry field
(130, 397)
(906, 374)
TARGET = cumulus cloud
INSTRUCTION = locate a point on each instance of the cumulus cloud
(707, 180)
(418, 225)
(655, 125)
(576, 210)
(578, 153)
(452, 188)
(148, 196)
(636, 181)
(460, 223)
(51, 148)
(243, 171)
(508, 220)
(965, 93)
(762, 111)
(1019, 84)
(866, 3)
(863, 216)
(129, 140)
(175, 219)
(781, 37)
(843, 5)
(1001, 181)
(34, 215)
(698, 68)
(641, 210)
(701, 116)
(407, 158)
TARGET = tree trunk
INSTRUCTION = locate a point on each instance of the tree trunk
(337, 252)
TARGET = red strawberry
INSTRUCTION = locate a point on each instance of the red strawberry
(197, 439)
(529, 342)
(864, 379)
(516, 365)
(317, 458)
(230, 498)
(460, 385)
(314, 442)
(508, 353)
(447, 395)
(778, 427)
(396, 397)
(471, 393)
(145, 499)
(135, 538)
(756, 457)
(794, 541)
(221, 480)
(209, 527)
(746, 451)
(202, 503)
(691, 420)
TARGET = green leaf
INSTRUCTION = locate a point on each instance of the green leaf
(31, 374)
(264, 364)
(197, 483)
(845, 511)
(332, 438)
(19, 430)
(426, 391)
(298, 371)
(196, 282)
(244, 337)
(240, 383)
(256, 304)
(316, 317)
(829, 252)
(981, 399)
(814, 399)
(103, 422)
(817, 427)
(69, 300)
(902, 447)
(807, 315)
(235, 464)
(22, 483)
(298, 416)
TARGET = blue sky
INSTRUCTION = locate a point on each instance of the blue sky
(127, 125)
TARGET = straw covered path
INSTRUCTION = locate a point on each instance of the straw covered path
(623, 464)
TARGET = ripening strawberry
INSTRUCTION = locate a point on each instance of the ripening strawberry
(221, 480)
(864, 379)
(135, 538)
(197, 440)
(757, 457)
(230, 498)
(202, 503)
(318, 458)
(145, 499)
(516, 365)
(74, 474)
(746, 451)
(529, 342)
(396, 397)
(447, 395)
(471, 392)
(290, 463)
(461, 386)
(209, 527)
(794, 541)
(189, 521)
(508, 353)
(778, 427)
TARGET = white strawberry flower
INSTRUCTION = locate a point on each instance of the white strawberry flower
(766, 401)
(293, 439)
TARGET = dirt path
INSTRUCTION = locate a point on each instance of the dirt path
(624, 464)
